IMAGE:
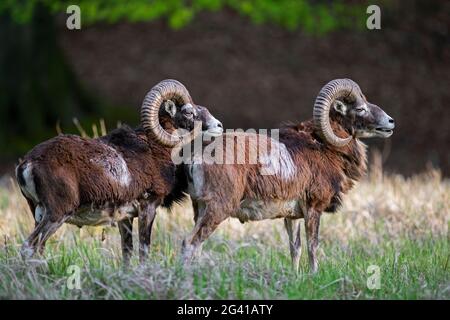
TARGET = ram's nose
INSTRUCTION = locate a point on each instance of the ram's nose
(391, 122)
(219, 128)
(215, 129)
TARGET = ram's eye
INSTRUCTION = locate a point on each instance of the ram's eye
(189, 114)
(360, 110)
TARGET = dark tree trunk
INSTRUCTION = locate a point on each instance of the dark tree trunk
(37, 86)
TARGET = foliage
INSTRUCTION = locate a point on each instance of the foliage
(38, 87)
(318, 17)
(36, 79)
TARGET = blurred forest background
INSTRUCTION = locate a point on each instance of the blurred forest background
(254, 63)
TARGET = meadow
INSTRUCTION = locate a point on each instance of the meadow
(394, 226)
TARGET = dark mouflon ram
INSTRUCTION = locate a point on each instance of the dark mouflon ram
(115, 178)
(316, 162)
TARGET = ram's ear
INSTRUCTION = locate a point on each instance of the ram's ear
(170, 108)
(340, 107)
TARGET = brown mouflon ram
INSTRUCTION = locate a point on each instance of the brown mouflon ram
(115, 178)
(315, 163)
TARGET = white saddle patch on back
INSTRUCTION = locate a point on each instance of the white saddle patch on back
(114, 166)
(278, 161)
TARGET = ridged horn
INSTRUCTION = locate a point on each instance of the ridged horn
(335, 89)
(165, 90)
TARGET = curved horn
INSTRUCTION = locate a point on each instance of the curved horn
(165, 90)
(333, 90)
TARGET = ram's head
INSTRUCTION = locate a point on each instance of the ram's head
(170, 99)
(342, 100)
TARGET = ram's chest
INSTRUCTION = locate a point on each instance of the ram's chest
(106, 215)
(253, 210)
(196, 178)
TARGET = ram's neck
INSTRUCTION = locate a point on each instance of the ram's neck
(355, 159)
(167, 123)
(348, 163)
(352, 157)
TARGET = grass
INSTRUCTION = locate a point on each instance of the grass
(399, 225)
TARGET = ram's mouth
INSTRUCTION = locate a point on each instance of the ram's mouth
(214, 132)
(384, 132)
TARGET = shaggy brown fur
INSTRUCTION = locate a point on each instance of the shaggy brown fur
(71, 173)
(115, 178)
(307, 174)
(83, 170)
(323, 173)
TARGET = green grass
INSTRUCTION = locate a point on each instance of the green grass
(397, 224)
(408, 270)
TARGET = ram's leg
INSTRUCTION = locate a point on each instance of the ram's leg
(295, 244)
(206, 223)
(32, 207)
(188, 250)
(147, 215)
(312, 222)
(45, 228)
(126, 236)
(195, 208)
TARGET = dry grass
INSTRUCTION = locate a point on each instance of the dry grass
(387, 220)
